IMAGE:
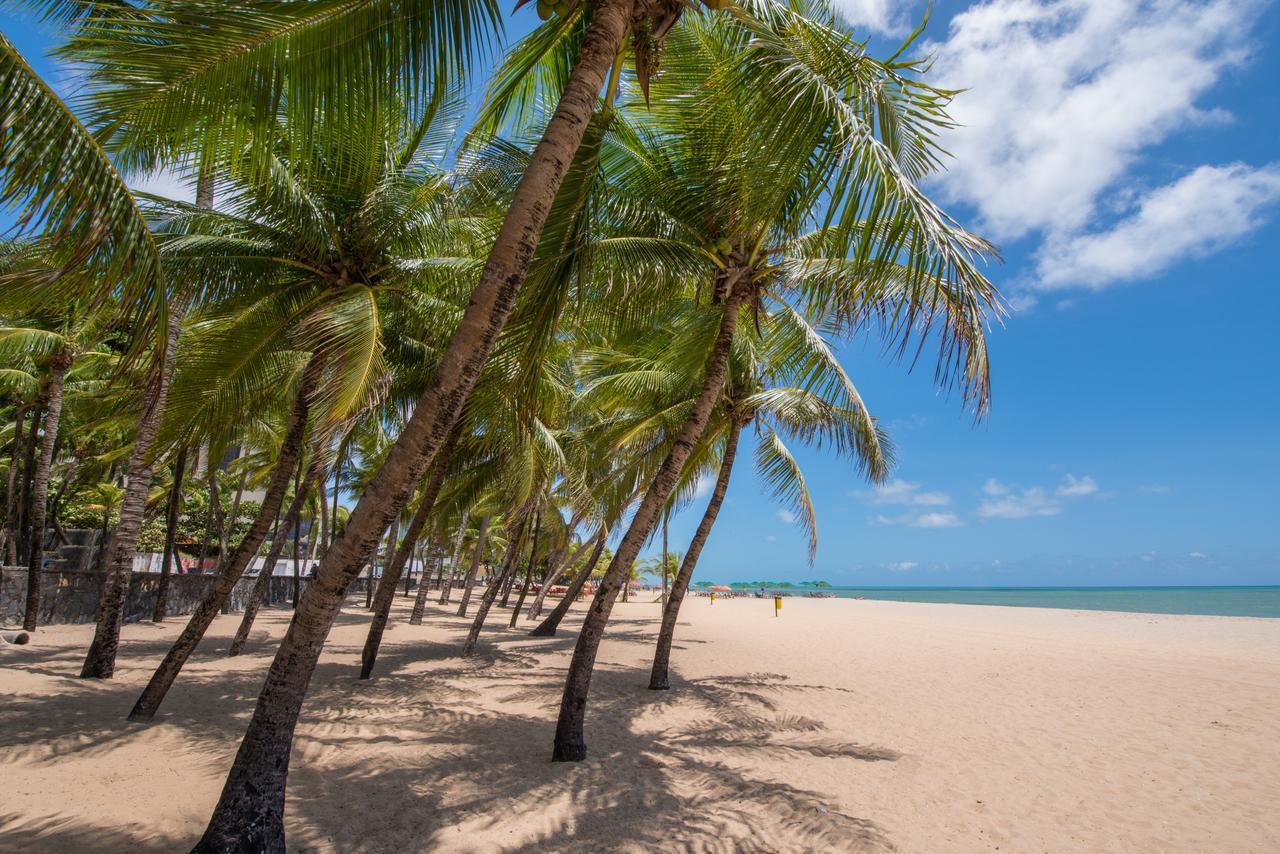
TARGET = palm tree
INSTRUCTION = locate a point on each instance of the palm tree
(67, 189)
(207, 96)
(477, 556)
(710, 165)
(315, 474)
(173, 509)
(823, 408)
(250, 810)
(180, 107)
(446, 580)
(308, 253)
(73, 336)
(391, 575)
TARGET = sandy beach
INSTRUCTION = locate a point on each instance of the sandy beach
(841, 725)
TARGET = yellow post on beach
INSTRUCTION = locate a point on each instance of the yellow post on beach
(713, 597)
(777, 606)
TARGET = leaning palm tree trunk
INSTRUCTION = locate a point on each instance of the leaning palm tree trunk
(391, 575)
(10, 501)
(509, 561)
(528, 573)
(234, 566)
(666, 516)
(28, 472)
(315, 474)
(658, 680)
(170, 536)
(211, 522)
(250, 811)
(547, 628)
(469, 583)
(446, 583)
(100, 661)
(570, 746)
(555, 568)
(40, 487)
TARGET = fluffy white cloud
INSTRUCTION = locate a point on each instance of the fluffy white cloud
(1063, 99)
(787, 516)
(881, 16)
(994, 487)
(165, 183)
(919, 519)
(903, 566)
(905, 492)
(1020, 504)
(1007, 502)
(1075, 487)
(703, 486)
(936, 520)
(1210, 208)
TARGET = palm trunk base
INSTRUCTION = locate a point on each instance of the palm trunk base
(242, 829)
(570, 746)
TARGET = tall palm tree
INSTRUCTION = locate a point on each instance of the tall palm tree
(250, 810)
(310, 253)
(71, 337)
(710, 165)
(68, 190)
(210, 91)
(823, 409)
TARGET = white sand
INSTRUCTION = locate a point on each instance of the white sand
(842, 725)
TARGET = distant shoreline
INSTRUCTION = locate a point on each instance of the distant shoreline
(1219, 601)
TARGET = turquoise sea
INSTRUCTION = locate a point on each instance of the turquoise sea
(1220, 601)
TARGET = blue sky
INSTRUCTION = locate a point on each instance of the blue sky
(1125, 158)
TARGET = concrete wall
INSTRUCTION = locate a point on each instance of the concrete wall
(72, 597)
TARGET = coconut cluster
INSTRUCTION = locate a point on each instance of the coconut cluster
(559, 8)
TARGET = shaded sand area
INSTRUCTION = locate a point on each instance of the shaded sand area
(843, 725)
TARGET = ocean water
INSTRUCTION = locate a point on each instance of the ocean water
(1219, 601)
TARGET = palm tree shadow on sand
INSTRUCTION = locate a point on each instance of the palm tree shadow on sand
(438, 751)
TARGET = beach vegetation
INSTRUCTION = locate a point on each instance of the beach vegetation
(504, 340)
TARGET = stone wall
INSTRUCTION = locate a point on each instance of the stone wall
(72, 597)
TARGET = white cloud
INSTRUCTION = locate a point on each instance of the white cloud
(165, 183)
(1007, 502)
(903, 566)
(703, 486)
(1200, 213)
(904, 493)
(936, 520)
(1197, 555)
(1020, 504)
(994, 487)
(1064, 99)
(771, 538)
(787, 516)
(919, 519)
(1074, 487)
(881, 16)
